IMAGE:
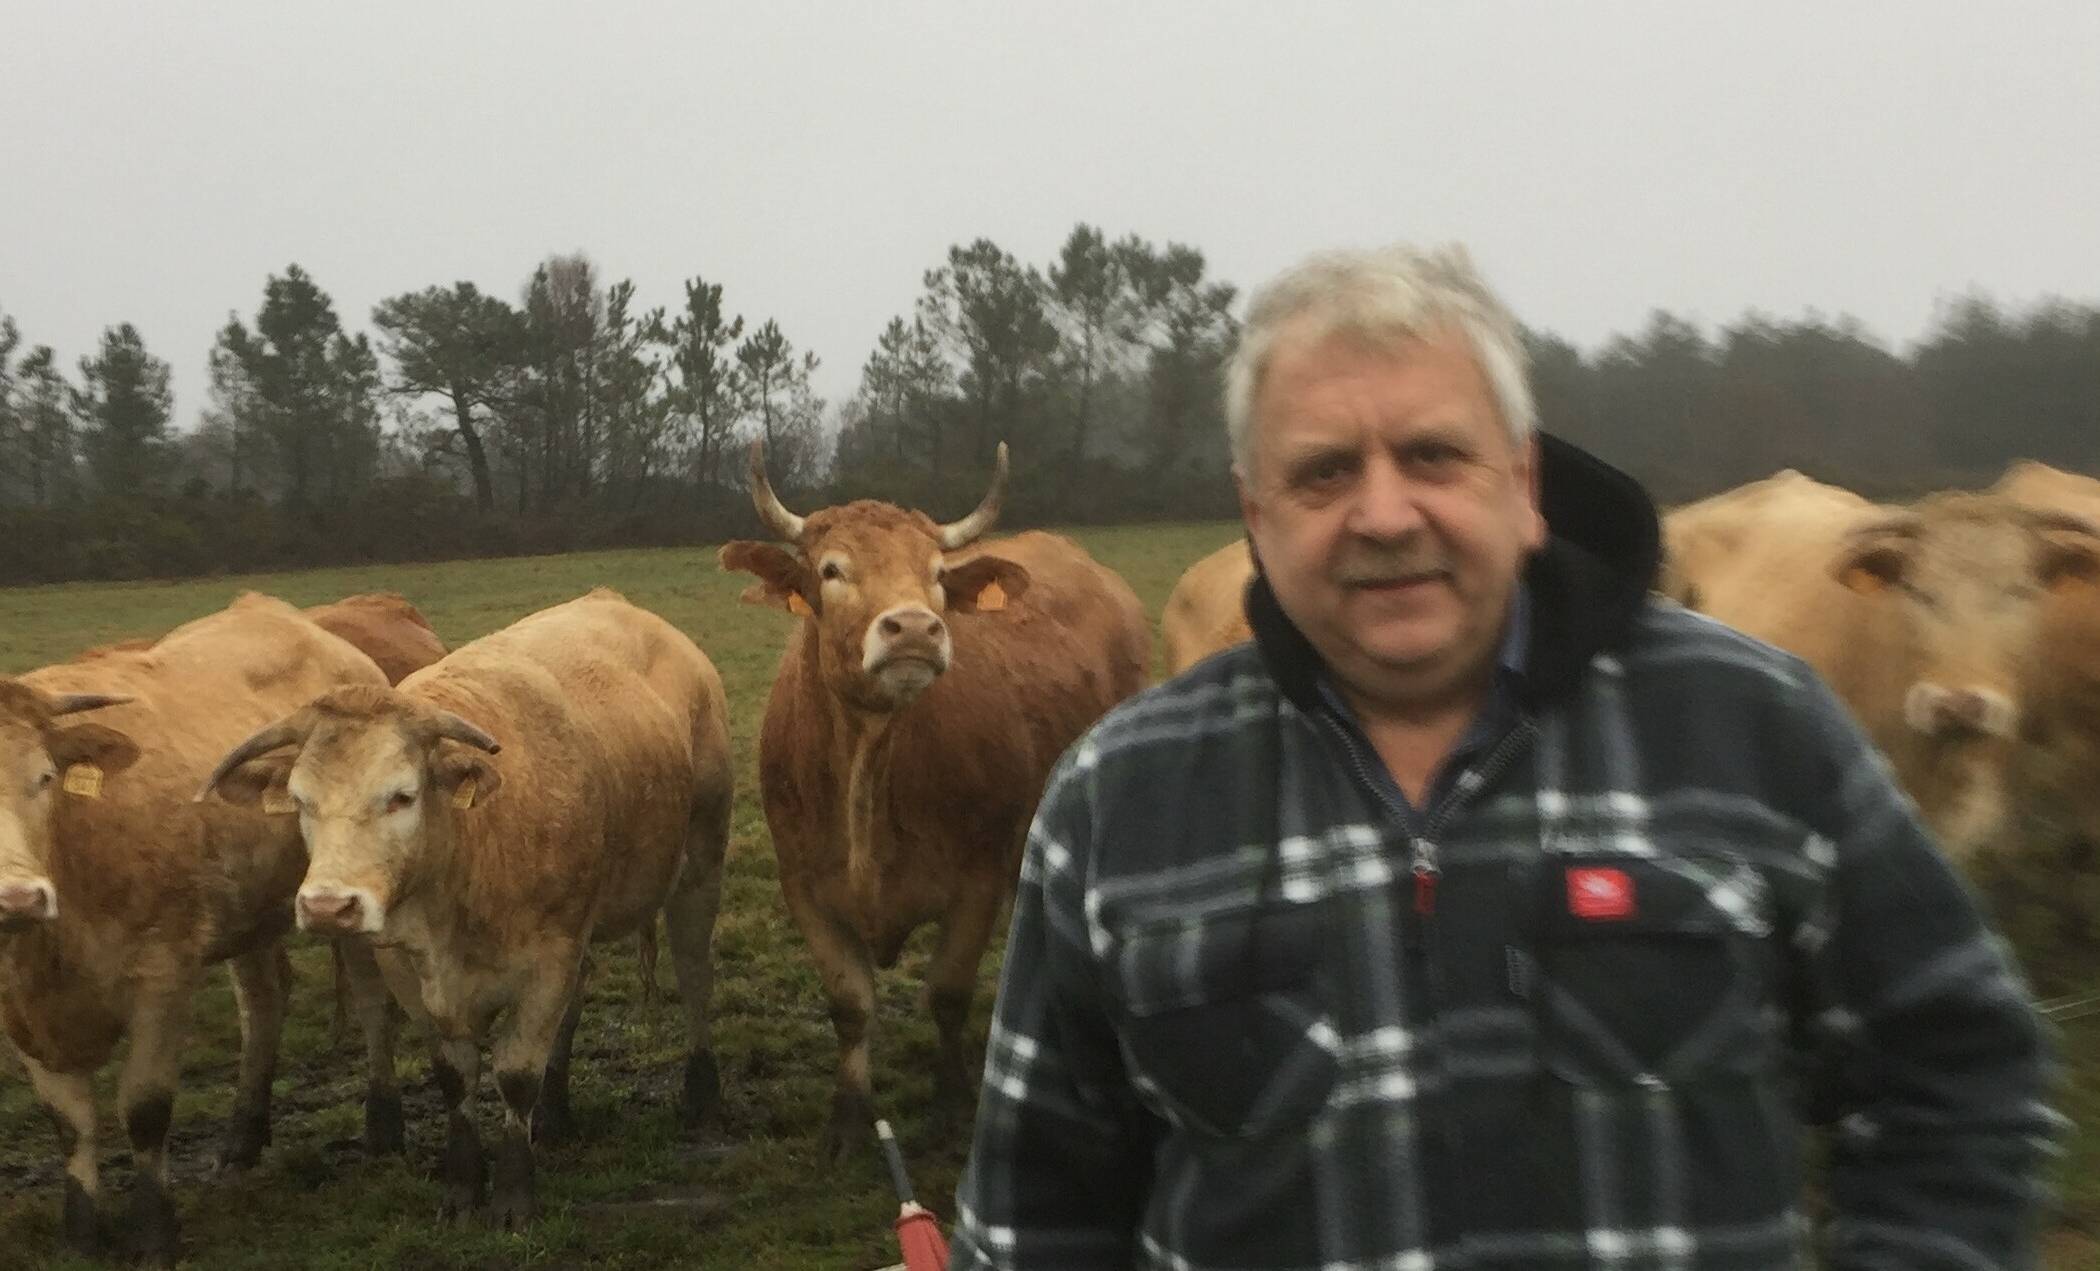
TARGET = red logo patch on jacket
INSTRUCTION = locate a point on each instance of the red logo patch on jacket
(1600, 894)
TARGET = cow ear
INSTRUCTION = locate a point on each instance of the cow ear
(262, 778)
(983, 584)
(464, 778)
(783, 579)
(96, 744)
(1871, 567)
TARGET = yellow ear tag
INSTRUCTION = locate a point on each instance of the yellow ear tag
(798, 606)
(277, 802)
(463, 794)
(85, 780)
(992, 599)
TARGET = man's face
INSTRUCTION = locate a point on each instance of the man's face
(1391, 512)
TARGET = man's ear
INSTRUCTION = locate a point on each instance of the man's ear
(96, 744)
(1536, 531)
(260, 778)
(464, 777)
(783, 579)
(983, 584)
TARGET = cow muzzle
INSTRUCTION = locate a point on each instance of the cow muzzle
(1938, 711)
(906, 649)
(340, 911)
(27, 901)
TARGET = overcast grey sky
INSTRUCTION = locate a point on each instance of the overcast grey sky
(158, 161)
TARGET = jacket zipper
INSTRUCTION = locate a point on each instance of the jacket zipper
(1422, 849)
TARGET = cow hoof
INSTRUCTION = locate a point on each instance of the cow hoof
(82, 1233)
(239, 1153)
(385, 1133)
(512, 1210)
(156, 1236)
(851, 1131)
(700, 1100)
(511, 1207)
(952, 1111)
(553, 1124)
(459, 1205)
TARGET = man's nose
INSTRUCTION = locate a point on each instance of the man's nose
(1384, 506)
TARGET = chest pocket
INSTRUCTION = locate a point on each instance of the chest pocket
(1228, 1026)
(1650, 972)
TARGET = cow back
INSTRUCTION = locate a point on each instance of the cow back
(612, 724)
(384, 627)
(144, 855)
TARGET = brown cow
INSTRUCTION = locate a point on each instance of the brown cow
(481, 884)
(1206, 612)
(386, 628)
(119, 895)
(918, 710)
(1919, 617)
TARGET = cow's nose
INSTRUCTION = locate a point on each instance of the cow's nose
(28, 900)
(1936, 710)
(920, 623)
(330, 910)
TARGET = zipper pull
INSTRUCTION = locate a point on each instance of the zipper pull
(1426, 873)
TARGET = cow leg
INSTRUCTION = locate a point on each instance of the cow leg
(552, 1120)
(848, 974)
(521, 1054)
(689, 923)
(259, 989)
(384, 1129)
(70, 1099)
(951, 981)
(645, 956)
(146, 1094)
(457, 1066)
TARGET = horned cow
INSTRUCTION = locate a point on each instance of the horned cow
(117, 895)
(480, 880)
(922, 699)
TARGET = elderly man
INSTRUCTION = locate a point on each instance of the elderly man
(1484, 912)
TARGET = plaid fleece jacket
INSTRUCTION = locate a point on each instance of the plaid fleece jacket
(1257, 1014)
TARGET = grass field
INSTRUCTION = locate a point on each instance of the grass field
(629, 1194)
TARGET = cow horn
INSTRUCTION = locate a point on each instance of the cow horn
(450, 727)
(291, 730)
(2046, 519)
(786, 526)
(966, 531)
(70, 703)
(1899, 525)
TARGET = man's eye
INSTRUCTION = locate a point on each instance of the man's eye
(1322, 472)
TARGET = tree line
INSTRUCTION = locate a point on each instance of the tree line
(462, 423)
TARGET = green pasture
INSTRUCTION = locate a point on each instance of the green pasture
(630, 1193)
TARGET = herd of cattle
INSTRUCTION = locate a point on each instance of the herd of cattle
(463, 825)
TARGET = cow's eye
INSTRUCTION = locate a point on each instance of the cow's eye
(44, 782)
(830, 571)
(401, 799)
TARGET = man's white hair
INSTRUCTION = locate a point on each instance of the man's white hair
(1386, 293)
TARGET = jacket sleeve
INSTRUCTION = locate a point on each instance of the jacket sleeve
(1936, 1067)
(1059, 1168)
